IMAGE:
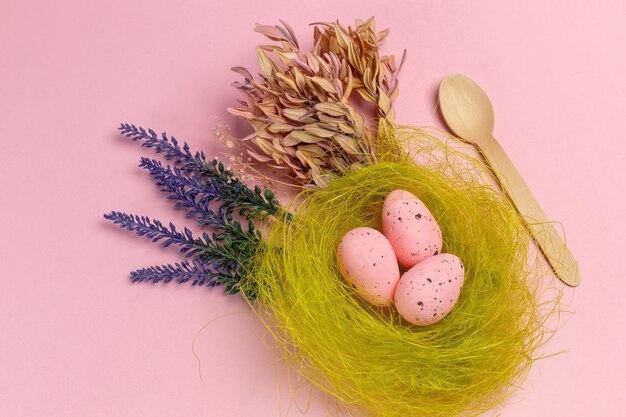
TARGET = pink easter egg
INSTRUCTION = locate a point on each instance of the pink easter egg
(410, 228)
(367, 261)
(427, 292)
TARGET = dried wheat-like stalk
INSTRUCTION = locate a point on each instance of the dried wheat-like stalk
(299, 106)
(374, 76)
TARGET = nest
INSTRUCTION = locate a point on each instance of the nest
(368, 357)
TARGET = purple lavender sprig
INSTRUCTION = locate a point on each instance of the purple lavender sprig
(186, 189)
(168, 147)
(212, 194)
(190, 192)
(231, 191)
(223, 257)
(156, 231)
(196, 272)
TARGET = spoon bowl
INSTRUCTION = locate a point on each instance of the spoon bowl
(466, 108)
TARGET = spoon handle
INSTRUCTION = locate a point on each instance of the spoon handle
(549, 241)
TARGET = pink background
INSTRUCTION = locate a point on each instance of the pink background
(79, 340)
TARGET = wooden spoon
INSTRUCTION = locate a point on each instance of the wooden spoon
(469, 114)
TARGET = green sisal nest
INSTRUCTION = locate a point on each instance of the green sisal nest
(367, 357)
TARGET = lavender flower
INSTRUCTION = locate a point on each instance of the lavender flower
(212, 194)
(187, 190)
(154, 230)
(231, 191)
(168, 147)
(196, 271)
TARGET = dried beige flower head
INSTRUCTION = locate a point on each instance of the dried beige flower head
(374, 76)
(303, 121)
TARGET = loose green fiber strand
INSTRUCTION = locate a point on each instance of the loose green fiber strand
(368, 357)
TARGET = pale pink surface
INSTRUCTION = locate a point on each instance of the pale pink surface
(79, 340)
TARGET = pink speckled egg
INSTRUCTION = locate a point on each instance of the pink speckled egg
(410, 228)
(429, 290)
(366, 260)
